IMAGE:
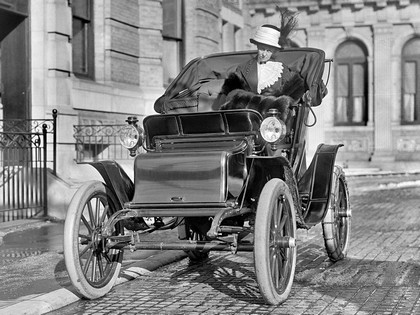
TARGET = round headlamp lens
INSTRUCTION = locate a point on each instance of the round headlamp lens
(272, 129)
(129, 136)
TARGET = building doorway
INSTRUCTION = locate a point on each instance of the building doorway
(14, 59)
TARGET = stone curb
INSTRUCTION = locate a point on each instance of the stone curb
(62, 297)
(379, 173)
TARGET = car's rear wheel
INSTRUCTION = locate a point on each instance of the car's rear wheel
(274, 242)
(337, 221)
(192, 232)
(92, 268)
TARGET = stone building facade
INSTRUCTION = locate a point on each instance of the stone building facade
(99, 61)
(373, 105)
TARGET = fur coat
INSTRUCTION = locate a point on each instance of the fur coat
(240, 90)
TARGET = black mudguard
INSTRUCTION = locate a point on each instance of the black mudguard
(116, 179)
(315, 184)
(263, 168)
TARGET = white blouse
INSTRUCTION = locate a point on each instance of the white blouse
(268, 73)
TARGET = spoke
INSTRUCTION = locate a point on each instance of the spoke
(100, 266)
(273, 266)
(84, 240)
(97, 212)
(87, 264)
(94, 266)
(341, 196)
(86, 223)
(283, 253)
(91, 216)
(277, 213)
(283, 220)
(284, 215)
(285, 265)
(107, 258)
(84, 250)
(277, 272)
(86, 237)
(281, 264)
(103, 218)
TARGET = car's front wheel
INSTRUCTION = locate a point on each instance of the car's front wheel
(92, 268)
(275, 242)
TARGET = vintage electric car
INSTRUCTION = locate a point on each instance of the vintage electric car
(227, 180)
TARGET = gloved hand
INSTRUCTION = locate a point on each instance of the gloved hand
(307, 98)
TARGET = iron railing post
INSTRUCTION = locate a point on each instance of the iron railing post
(45, 178)
(54, 115)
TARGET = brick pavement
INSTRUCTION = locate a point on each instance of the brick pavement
(381, 274)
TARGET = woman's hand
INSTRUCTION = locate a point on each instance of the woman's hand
(307, 98)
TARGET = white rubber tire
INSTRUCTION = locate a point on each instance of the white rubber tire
(275, 220)
(90, 272)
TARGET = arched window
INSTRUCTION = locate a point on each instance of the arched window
(410, 112)
(351, 106)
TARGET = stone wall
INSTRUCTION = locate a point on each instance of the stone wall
(382, 28)
(128, 51)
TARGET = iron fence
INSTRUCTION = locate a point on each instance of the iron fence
(99, 142)
(24, 147)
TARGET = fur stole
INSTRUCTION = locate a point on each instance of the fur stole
(240, 99)
(293, 85)
(239, 94)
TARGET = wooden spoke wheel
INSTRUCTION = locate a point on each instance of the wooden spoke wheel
(274, 242)
(193, 233)
(92, 268)
(337, 221)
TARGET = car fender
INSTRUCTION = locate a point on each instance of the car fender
(263, 168)
(116, 179)
(315, 184)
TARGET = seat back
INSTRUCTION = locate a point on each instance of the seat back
(200, 127)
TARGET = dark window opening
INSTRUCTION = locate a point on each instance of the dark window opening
(82, 41)
(351, 107)
(410, 111)
(173, 48)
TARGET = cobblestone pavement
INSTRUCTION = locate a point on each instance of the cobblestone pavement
(381, 274)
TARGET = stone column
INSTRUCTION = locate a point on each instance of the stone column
(382, 40)
(316, 134)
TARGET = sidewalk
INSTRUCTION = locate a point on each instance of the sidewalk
(33, 276)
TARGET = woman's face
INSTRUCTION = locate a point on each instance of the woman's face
(264, 52)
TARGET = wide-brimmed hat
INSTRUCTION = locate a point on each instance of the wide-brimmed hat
(268, 35)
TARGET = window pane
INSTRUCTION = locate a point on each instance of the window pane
(358, 80)
(409, 107)
(410, 82)
(341, 109)
(350, 50)
(172, 19)
(81, 9)
(358, 109)
(78, 45)
(343, 83)
(83, 39)
(351, 85)
(412, 48)
(409, 85)
(358, 93)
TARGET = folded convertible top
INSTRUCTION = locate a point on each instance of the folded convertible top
(309, 62)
